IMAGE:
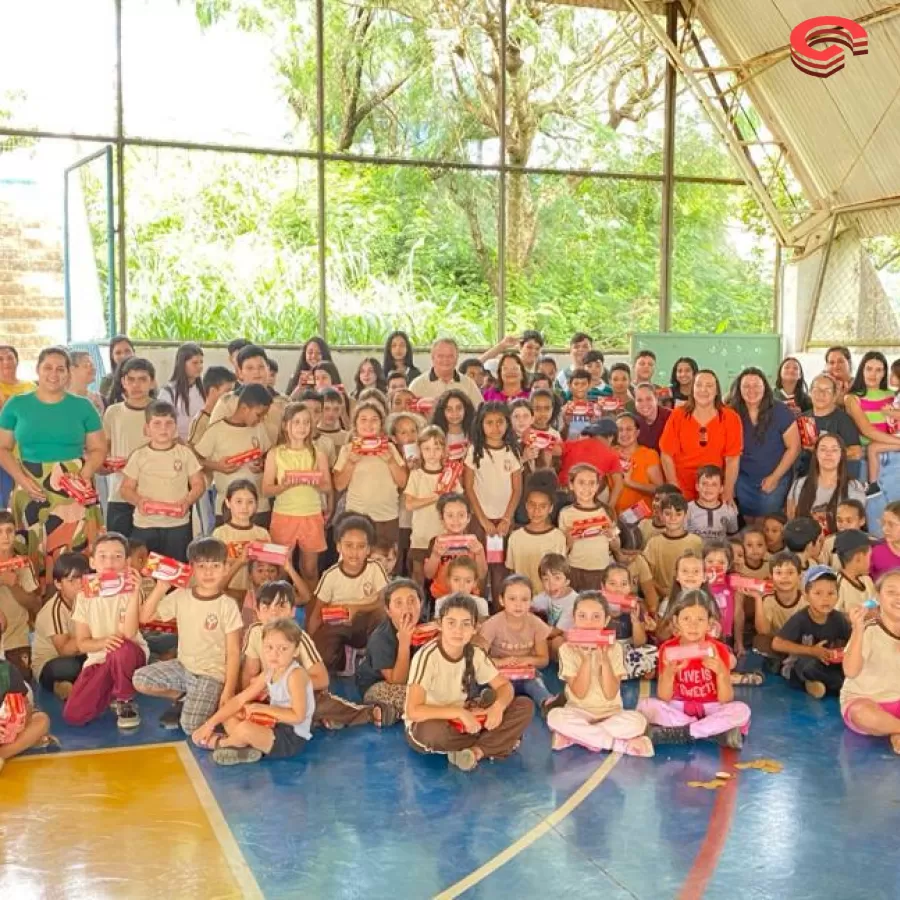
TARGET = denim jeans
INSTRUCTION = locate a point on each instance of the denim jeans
(533, 688)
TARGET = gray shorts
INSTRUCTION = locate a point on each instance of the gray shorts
(201, 693)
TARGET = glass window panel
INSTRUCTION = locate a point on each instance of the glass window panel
(219, 245)
(57, 66)
(220, 73)
(584, 89)
(582, 255)
(414, 83)
(723, 267)
(410, 248)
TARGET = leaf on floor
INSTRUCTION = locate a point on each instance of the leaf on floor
(708, 785)
(770, 766)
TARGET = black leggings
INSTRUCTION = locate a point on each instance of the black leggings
(808, 668)
(63, 668)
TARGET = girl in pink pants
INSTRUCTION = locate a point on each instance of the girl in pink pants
(694, 697)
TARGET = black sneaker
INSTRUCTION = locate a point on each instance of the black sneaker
(127, 715)
(874, 489)
(678, 734)
(171, 718)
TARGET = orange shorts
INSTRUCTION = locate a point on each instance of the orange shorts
(307, 532)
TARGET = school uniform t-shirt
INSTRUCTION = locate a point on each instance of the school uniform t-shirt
(442, 678)
(164, 476)
(203, 627)
(777, 614)
(493, 479)
(594, 702)
(879, 678)
(526, 549)
(372, 489)
(307, 654)
(662, 553)
(55, 618)
(271, 424)
(591, 553)
(426, 523)
(235, 539)
(338, 588)
(223, 440)
(103, 615)
(15, 636)
(853, 593)
(124, 427)
(503, 641)
(695, 683)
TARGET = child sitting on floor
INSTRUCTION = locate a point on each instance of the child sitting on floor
(802, 536)
(663, 551)
(237, 531)
(772, 610)
(455, 539)
(855, 585)
(515, 638)
(557, 600)
(21, 726)
(850, 515)
(19, 600)
(593, 716)
(694, 695)
(443, 683)
(462, 578)
(278, 729)
(629, 624)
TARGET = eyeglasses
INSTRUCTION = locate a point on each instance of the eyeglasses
(704, 436)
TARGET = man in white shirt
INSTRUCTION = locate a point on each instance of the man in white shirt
(443, 375)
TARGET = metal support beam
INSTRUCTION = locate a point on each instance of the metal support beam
(501, 211)
(820, 281)
(667, 208)
(320, 169)
(120, 178)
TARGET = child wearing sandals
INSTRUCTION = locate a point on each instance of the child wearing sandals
(443, 682)
(593, 716)
(870, 697)
(694, 697)
(283, 729)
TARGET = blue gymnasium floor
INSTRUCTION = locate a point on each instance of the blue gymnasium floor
(361, 815)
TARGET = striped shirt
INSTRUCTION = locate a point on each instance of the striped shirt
(442, 678)
(55, 618)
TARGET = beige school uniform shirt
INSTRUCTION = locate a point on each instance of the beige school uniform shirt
(590, 553)
(103, 615)
(426, 523)
(16, 634)
(649, 530)
(879, 678)
(854, 593)
(338, 438)
(124, 427)
(442, 678)
(203, 628)
(271, 424)
(525, 550)
(594, 701)
(223, 440)
(493, 479)
(55, 618)
(307, 654)
(338, 588)
(165, 476)
(662, 553)
(235, 539)
(776, 614)
(764, 571)
(372, 489)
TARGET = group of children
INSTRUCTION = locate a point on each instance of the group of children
(439, 557)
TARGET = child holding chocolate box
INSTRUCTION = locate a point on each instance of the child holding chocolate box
(689, 575)
(404, 429)
(276, 600)
(278, 729)
(593, 716)
(205, 674)
(107, 631)
(516, 640)
(346, 606)
(589, 528)
(709, 516)
(454, 414)
(421, 498)
(444, 679)
(260, 573)
(813, 638)
(124, 424)
(557, 599)
(774, 608)
(870, 696)
(21, 726)
(233, 448)
(454, 540)
(56, 659)
(237, 531)
(19, 599)
(663, 550)
(627, 618)
(162, 481)
(529, 545)
(462, 578)
(694, 695)
(855, 585)
(296, 474)
(371, 470)
(755, 563)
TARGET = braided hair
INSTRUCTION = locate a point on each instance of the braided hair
(465, 603)
(479, 445)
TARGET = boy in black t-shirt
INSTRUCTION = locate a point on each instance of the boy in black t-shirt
(814, 638)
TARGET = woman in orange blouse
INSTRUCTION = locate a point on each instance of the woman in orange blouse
(641, 466)
(703, 432)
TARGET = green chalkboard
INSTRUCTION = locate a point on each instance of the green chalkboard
(726, 354)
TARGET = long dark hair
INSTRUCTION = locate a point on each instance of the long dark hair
(858, 386)
(807, 497)
(801, 391)
(439, 416)
(380, 380)
(479, 446)
(673, 381)
(466, 604)
(511, 354)
(179, 386)
(114, 342)
(303, 365)
(389, 364)
(766, 405)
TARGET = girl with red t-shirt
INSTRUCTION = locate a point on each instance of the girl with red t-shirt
(694, 697)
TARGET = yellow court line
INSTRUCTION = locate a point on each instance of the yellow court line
(239, 869)
(546, 824)
(97, 751)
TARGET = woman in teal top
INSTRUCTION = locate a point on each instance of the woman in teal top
(55, 432)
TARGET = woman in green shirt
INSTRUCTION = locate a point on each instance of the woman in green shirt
(55, 433)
